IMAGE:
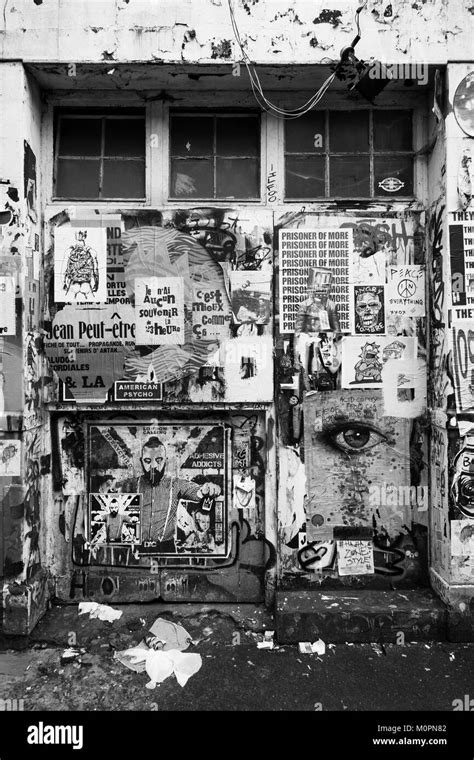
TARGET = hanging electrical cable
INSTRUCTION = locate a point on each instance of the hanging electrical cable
(257, 89)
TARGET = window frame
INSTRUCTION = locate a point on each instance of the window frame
(214, 114)
(327, 153)
(104, 114)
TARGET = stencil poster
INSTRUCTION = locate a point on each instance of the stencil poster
(80, 265)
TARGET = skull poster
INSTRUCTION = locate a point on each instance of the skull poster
(369, 309)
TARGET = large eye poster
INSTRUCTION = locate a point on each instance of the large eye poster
(157, 490)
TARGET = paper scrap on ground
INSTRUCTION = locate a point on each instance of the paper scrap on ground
(101, 611)
(267, 642)
(159, 665)
(317, 647)
(162, 636)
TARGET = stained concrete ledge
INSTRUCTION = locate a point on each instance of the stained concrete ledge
(360, 616)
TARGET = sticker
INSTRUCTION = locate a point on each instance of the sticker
(368, 309)
(404, 388)
(462, 538)
(10, 457)
(250, 296)
(244, 492)
(363, 358)
(7, 306)
(355, 557)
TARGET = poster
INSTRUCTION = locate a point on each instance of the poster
(30, 184)
(461, 244)
(10, 457)
(159, 311)
(177, 475)
(406, 290)
(250, 296)
(368, 309)
(114, 527)
(87, 348)
(355, 557)
(7, 305)
(116, 285)
(463, 364)
(80, 268)
(462, 538)
(404, 388)
(211, 312)
(304, 249)
(363, 358)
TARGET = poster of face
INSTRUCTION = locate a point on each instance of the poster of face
(363, 358)
(10, 457)
(369, 309)
(177, 475)
(80, 265)
(406, 290)
(7, 305)
(250, 296)
(349, 441)
(159, 311)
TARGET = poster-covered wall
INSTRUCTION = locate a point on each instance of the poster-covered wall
(352, 403)
(161, 306)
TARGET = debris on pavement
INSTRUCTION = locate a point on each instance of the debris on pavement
(100, 611)
(317, 647)
(160, 654)
(71, 655)
(267, 642)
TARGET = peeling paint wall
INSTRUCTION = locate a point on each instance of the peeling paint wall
(297, 31)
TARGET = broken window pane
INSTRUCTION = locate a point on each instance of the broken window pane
(393, 175)
(348, 131)
(237, 178)
(306, 134)
(304, 177)
(349, 176)
(77, 178)
(192, 135)
(392, 130)
(192, 178)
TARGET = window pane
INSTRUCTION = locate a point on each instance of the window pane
(237, 136)
(392, 130)
(304, 177)
(78, 178)
(393, 175)
(124, 137)
(306, 134)
(192, 178)
(80, 137)
(348, 131)
(123, 179)
(192, 135)
(237, 178)
(349, 176)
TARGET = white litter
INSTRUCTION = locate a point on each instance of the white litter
(317, 647)
(159, 664)
(100, 611)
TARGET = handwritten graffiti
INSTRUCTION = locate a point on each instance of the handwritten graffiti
(271, 186)
(370, 236)
(437, 292)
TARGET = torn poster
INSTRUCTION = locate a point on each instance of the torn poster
(159, 311)
(251, 296)
(461, 244)
(363, 358)
(80, 265)
(404, 388)
(244, 492)
(355, 557)
(7, 306)
(10, 457)
(462, 538)
(463, 365)
(406, 290)
(303, 249)
(368, 309)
